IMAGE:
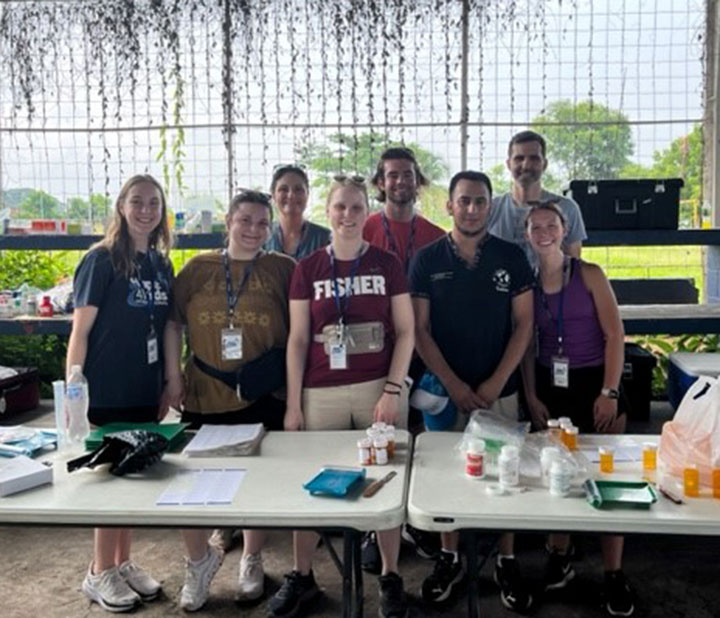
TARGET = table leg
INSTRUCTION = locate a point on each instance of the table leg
(471, 558)
(347, 573)
(357, 570)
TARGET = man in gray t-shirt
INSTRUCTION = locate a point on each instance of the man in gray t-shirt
(526, 162)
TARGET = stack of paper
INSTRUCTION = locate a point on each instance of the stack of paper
(225, 440)
(21, 473)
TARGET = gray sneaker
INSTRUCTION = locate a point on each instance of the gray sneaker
(251, 578)
(198, 575)
(110, 590)
(139, 580)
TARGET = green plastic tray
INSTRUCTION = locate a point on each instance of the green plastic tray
(614, 494)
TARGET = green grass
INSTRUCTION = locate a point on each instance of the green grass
(650, 262)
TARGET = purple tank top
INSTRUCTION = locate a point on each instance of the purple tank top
(583, 339)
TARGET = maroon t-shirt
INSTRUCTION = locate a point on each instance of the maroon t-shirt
(398, 241)
(379, 276)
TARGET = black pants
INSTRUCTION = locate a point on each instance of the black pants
(266, 410)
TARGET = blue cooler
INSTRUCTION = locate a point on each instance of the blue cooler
(685, 368)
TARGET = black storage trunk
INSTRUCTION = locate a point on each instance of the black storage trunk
(648, 204)
(637, 381)
(19, 393)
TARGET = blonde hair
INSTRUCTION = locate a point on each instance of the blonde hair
(117, 238)
(356, 182)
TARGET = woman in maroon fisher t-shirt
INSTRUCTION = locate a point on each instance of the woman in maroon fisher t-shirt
(351, 339)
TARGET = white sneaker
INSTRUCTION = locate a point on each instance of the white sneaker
(251, 580)
(139, 580)
(110, 590)
(198, 575)
(223, 538)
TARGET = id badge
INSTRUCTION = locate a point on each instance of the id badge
(338, 356)
(231, 343)
(152, 349)
(561, 371)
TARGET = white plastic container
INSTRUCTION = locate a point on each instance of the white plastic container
(77, 402)
(560, 478)
(547, 456)
(60, 417)
(509, 466)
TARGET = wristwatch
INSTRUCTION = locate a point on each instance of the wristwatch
(610, 393)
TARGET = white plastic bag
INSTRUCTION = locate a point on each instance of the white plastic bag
(693, 436)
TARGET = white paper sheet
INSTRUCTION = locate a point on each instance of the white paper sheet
(203, 487)
(213, 437)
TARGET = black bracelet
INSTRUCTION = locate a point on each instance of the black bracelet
(393, 383)
(391, 392)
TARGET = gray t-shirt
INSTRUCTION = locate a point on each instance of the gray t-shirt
(507, 220)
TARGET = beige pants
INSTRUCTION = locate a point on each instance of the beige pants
(348, 407)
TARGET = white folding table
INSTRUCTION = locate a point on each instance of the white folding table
(270, 496)
(442, 499)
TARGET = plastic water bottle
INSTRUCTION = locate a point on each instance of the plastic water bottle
(77, 402)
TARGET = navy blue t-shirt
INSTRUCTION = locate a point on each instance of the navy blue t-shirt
(116, 365)
(471, 308)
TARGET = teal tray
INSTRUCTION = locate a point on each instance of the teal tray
(614, 494)
(335, 481)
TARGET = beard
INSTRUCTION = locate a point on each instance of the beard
(471, 233)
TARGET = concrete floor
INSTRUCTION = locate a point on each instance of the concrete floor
(42, 569)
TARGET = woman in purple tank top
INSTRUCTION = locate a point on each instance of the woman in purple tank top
(574, 370)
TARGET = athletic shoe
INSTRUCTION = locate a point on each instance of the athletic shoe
(139, 580)
(393, 602)
(110, 590)
(296, 591)
(513, 590)
(251, 578)
(198, 575)
(370, 554)
(426, 544)
(222, 538)
(558, 571)
(618, 595)
(447, 573)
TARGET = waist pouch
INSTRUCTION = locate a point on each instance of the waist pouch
(363, 338)
(254, 379)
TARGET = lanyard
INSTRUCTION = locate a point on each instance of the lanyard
(149, 298)
(232, 299)
(342, 308)
(303, 234)
(546, 306)
(392, 244)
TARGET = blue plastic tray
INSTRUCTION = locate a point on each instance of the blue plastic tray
(334, 481)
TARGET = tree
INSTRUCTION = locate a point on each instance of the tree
(359, 154)
(38, 205)
(683, 158)
(577, 147)
(97, 210)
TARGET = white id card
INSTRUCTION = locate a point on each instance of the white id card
(152, 349)
(231, 343)
(338, 356)
(561, 371)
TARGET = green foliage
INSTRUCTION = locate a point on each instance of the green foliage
(46, 352)
(79, 209)
(359, 154)
(36, 268)
(578, 147)
(663, 346)
(38, 205)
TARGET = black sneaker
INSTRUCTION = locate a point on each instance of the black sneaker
(558, 571)
(439, 585)
(370, 554)
(514, 592)
(296, 591)
(618, 595)
(426, 544)
(393, 602)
